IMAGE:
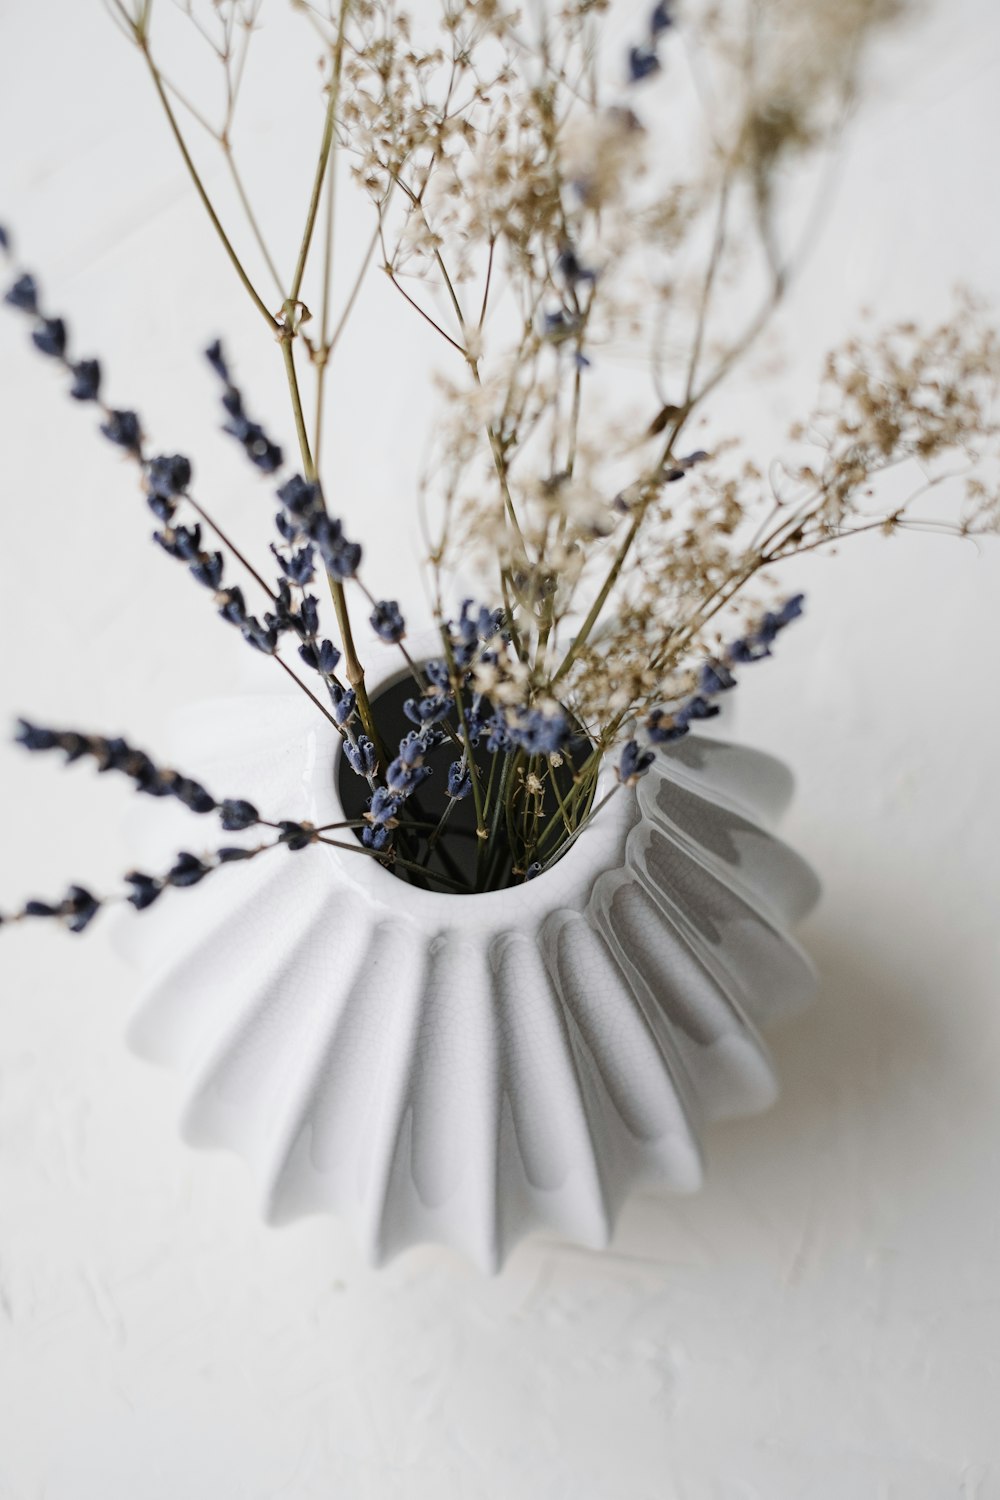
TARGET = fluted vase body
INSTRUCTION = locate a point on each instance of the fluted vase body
(465, 1069)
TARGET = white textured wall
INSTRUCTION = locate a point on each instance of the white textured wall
(824, 1320)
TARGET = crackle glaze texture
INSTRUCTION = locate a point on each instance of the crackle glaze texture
(466, 1069)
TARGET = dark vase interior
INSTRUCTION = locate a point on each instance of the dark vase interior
(453, 856)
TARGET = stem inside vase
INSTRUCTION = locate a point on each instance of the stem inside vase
(436, 845)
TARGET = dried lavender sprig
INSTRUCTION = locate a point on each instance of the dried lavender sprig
(166, 477)
(305, 522)
(77, 909)
(464, 639)
(306, 519)
(306, 527)
(117, 754)
(261, 451)
(664, 727)
(716, 676)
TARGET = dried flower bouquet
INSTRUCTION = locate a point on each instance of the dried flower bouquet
(523, 204)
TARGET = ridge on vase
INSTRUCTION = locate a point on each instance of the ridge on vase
(466, 1069)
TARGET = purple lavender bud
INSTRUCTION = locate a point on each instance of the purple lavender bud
(217, 360)
(343, 559)
(329, 657)
(168, 474)
(32, 737)
(403, 779)
(309, 615)
(663, 728)
(122, 428)
(499, 741)
(182, 542)
(86, 380)
(236, 814)
(642, 62)
(540, 733)
(261, 451)
(572, 269)
(262, 637)
(231, 605)
(412, 749)
(344, 702)
(634, 763)
(465, 627)
(187, 870)
(387, 622)
(791, 609)
(144, 889)
(361, 756)
(80, 908)
(746, 649)
(429, 710)
(193, 795)
(459, 780)
(40, 909)
(208, 570)
(300, 496)
(767, 630)
(559, 324)
(715, 677)
(24, 294)
(49, 336)
(300, 567)
(383, 807)
(696, 708)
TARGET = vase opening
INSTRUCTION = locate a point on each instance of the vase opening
(445, 856)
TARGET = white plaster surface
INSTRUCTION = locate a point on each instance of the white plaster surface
(823, 1321)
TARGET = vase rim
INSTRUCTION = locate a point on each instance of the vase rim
(568, 883)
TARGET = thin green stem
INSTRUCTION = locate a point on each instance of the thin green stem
(456, 683)
(321, 356)
(230, 545)
(309, 693)
(326, 146)
(584, 823)
(582, 635)
(195, 176)
(247, 206)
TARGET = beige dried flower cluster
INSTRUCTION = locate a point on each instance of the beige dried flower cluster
(600, 224)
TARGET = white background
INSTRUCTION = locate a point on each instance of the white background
(823, 1321)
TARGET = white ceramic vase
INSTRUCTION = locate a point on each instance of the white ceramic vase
(465, 1069)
